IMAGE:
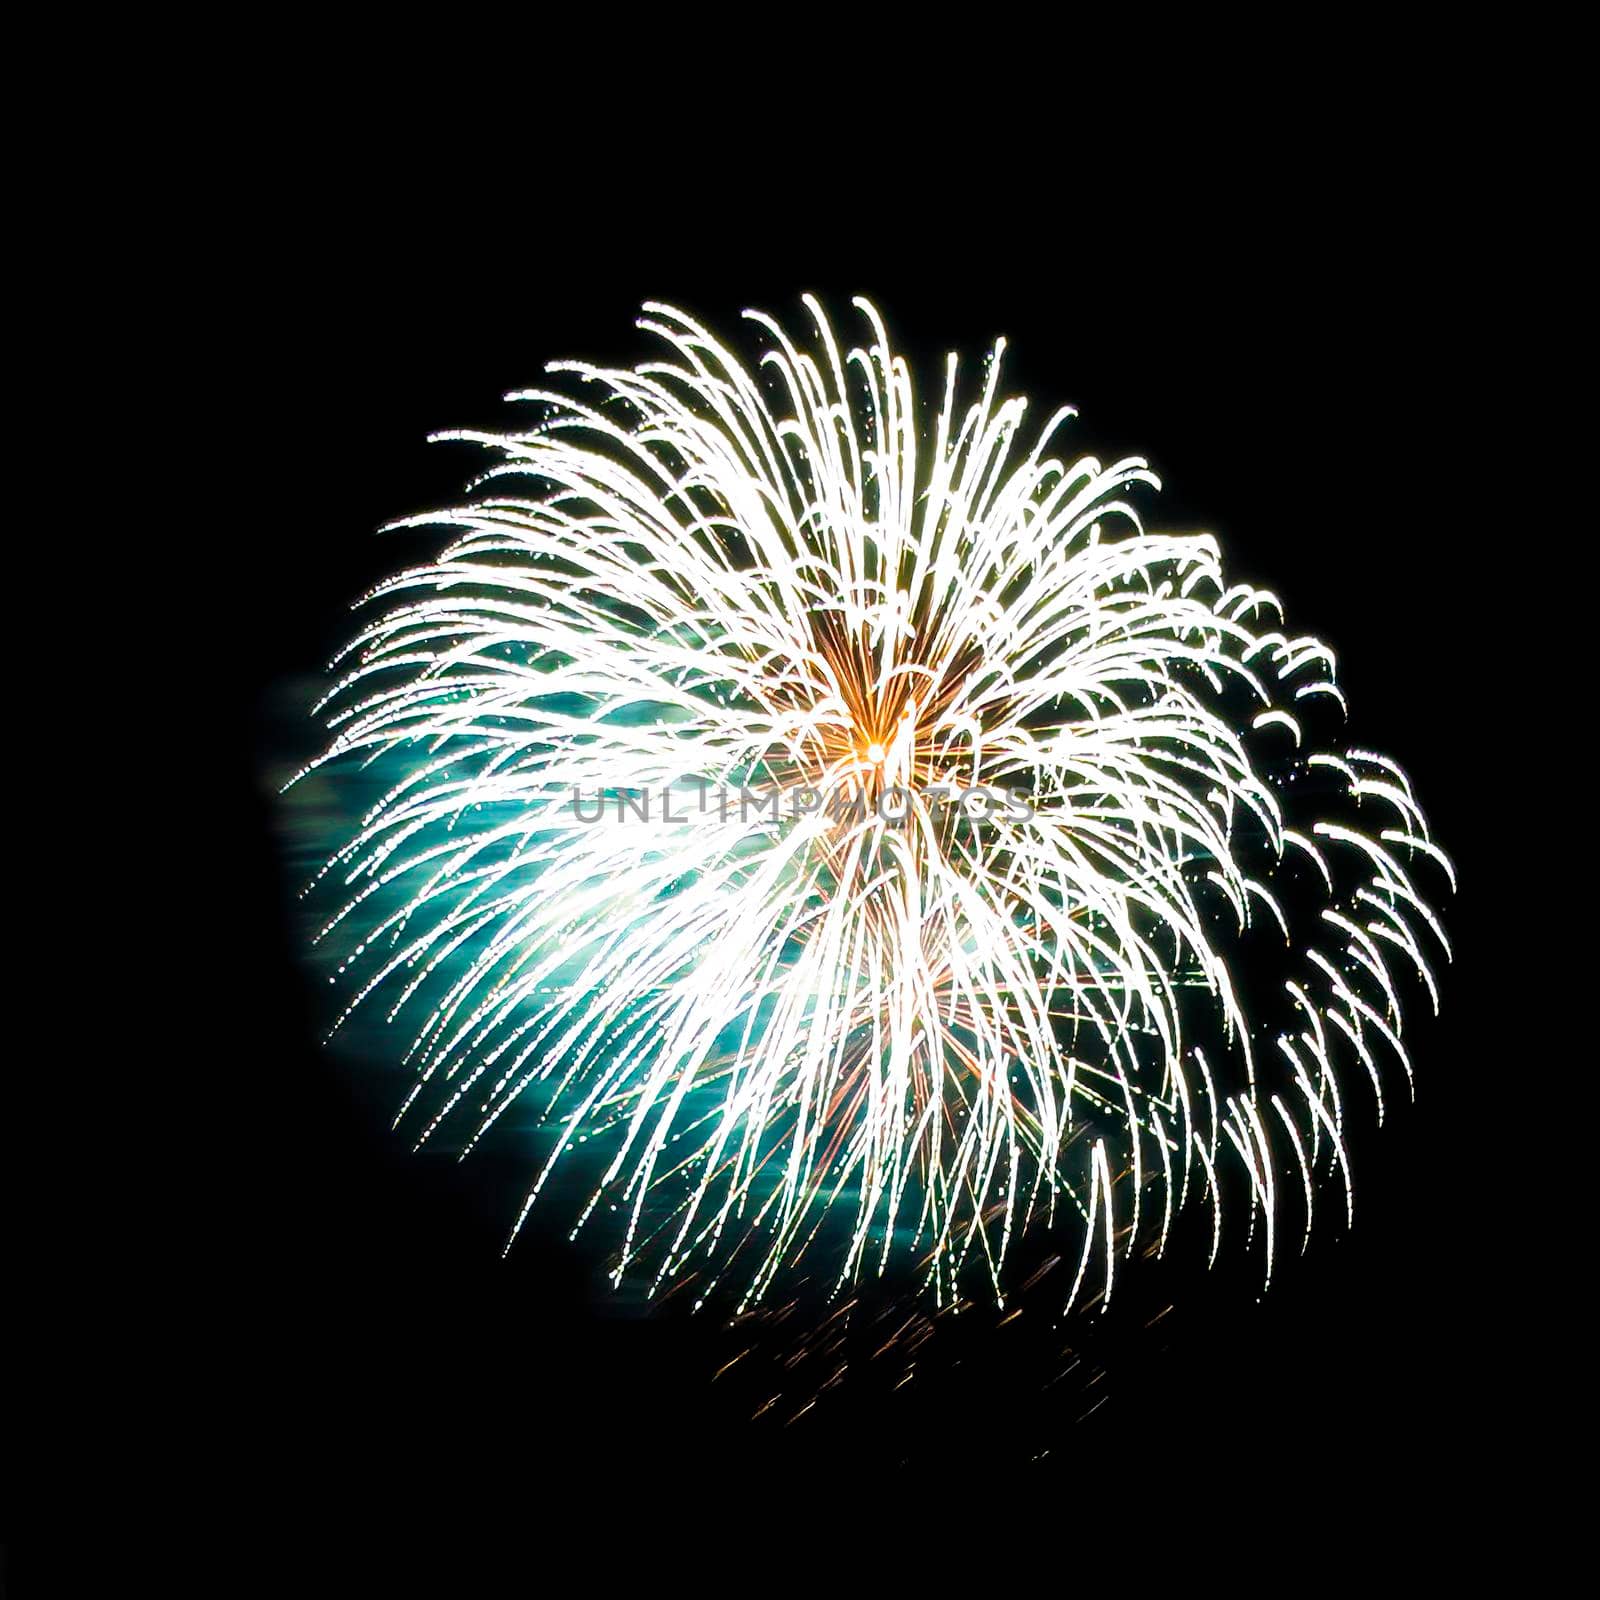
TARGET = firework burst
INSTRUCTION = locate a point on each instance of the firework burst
(816, 815)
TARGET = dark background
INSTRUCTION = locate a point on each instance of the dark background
(1306, 353)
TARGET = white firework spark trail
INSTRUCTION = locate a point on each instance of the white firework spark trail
(942, 1021)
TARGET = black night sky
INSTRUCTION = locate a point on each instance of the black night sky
(371, 1374)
